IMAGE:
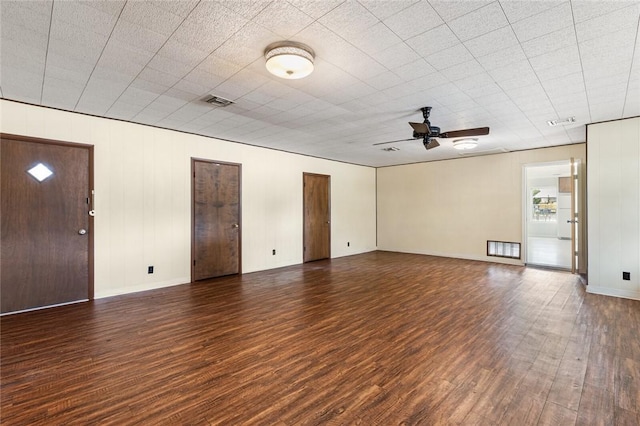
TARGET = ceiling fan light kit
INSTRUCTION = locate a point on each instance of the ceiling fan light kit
(289, 59)
(466, 143)
(429, 133)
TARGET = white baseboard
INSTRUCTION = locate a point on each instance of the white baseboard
(491, 259)
(614, 292)
(100, 294)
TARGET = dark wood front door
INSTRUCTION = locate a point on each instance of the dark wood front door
(317, 217)
(46, 226)
(216, 219)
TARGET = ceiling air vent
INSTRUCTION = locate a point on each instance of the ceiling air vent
(391, 149)
(217, 101)
(560, 122)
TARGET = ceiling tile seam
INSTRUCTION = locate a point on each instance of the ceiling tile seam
(193, 119)
(319, 17)
(46, 52)
(399, 11)
(538, 78)
(461, 43)
(466, 13)
(249, 22)
(75, 107)
(535, 14)
(633, 58)
(198, 64)
(148, 62)
(352, 45)
(584, 83)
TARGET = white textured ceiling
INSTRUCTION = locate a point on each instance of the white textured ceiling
(509, 65)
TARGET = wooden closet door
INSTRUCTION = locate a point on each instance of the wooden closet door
(317, 217)
(216, 219)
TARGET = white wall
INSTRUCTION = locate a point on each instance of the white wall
(143, 197)
(613, 185)
(451, 208)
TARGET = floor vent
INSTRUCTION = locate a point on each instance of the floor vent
(503, 249)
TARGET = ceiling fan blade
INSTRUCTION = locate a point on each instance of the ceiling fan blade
(399, 140)
(420, 128)
(431, 144)
(480, 131)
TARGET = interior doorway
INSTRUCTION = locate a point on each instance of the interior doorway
(216, 210)
(317, 217)
(47, 223)
(552, 207)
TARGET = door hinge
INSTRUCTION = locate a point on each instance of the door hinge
(194, 263)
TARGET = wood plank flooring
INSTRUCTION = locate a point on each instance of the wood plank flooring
(374, 339)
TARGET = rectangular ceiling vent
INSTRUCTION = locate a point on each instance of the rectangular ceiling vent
(391, 149)
(217, 101)
(559, 122)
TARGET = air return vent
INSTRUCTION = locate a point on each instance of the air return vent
(503, 249)
(217, 101)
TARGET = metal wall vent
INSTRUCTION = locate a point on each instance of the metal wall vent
(503, 249)
(217, 101)
(391, 149)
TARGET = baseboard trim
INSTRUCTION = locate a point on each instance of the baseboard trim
(141, 287)
(613, 292)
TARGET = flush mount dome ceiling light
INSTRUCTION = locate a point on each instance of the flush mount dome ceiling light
(289, 59)
(466, 143)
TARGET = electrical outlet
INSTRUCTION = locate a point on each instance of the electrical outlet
(273, 252)
(150, 270)
(626, 276)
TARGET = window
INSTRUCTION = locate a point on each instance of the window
(40, 172)
(545, 204)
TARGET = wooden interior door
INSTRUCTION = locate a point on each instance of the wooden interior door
(46, 226)
(317, 217)
(216, 219)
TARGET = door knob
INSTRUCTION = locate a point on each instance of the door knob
(235, 225)
(82, 231)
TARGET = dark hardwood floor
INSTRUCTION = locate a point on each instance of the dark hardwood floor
(373, 339)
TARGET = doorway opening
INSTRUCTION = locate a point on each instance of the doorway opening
(548, 216)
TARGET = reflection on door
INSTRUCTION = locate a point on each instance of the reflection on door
(46, 227)
(216, 219)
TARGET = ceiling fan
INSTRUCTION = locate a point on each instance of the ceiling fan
(428, 133)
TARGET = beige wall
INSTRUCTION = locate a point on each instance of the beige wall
(451, 208)
(143, 201)
(613, 179)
